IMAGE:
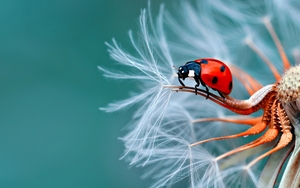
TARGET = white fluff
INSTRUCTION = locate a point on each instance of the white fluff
(161, 129)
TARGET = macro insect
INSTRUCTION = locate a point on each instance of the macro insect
(208, 72)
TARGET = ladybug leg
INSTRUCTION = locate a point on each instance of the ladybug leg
(180, 81)
(197, 85)
(221, 95)
(207, 92)
(206, 88)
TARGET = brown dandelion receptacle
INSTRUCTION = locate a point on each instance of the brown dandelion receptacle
(289, 87)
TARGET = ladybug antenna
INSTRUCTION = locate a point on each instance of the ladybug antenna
(175, 67)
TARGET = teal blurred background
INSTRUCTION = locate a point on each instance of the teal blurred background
(52, 133)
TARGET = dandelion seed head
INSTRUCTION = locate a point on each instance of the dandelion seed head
(289, 86)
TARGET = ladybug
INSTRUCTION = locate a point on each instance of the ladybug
(208, 72)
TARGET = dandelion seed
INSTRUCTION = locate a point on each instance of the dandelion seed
(174, 133)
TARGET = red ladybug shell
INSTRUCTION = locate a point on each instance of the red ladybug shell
(216, 74)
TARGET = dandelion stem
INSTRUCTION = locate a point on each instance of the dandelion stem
(278, 147)
(251, 121)
(269, 136)
(243, 107)
(259, 127)
(277, 42)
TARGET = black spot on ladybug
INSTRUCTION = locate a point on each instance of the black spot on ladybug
(230, 86)
(215, 80)
(222, 68)
(204, 61)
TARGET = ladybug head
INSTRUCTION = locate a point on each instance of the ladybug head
(183, 72)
